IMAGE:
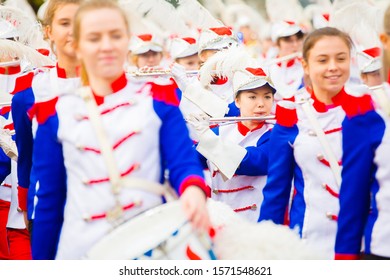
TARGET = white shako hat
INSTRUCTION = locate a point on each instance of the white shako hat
(284, 28)
(216, 38)
(369, 60)
(183, 47)
(142, 43)
(250, 78)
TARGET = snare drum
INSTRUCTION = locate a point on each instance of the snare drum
(162, 233)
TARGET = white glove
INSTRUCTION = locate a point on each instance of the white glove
(206, 100)
(8, 145)
(201, 123)
(225, 155)
(180, 76)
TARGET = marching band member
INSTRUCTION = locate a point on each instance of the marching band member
(287, 76)
(38, 86)
(146, 51)
(237, 154)
(77, 203)
(364, 193)
(14, 237)
(306, 145)
(356, 19)
(9, 70)
(17, 236)
(287, 32)
(364, 213)
(219, 90)
(184, 51)
(21, 35)
(370, 66)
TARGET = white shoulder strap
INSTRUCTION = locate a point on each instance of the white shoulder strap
(310, 114)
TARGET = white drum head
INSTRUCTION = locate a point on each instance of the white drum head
(160, 233)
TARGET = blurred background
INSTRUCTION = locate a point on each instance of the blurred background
(257, 4)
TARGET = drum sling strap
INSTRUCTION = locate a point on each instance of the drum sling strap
(310, 114)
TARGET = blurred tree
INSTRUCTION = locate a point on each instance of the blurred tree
(35, 4)
(175, 3)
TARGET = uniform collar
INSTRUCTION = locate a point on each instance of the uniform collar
(244, 130)
(61, 73)
(322, 107)
(116, 86)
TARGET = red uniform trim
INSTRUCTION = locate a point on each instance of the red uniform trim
(9, 126)
(165, 93)
(286, 117)
(43, 110)
(250, 207)
(102, 180)
(194, 181)
(346, 256)
(116, 86)
(61, 73)
(333, 130)
(22, 198)
(352, 105)
(5, 110)
(23, 82)
(330, 190)
(104, 215)
(116, 145)
(244, 130)
(216, 191)
(106, 111)
(10, 70)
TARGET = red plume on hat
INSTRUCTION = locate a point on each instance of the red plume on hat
(251, 78)
(319, 13)
(183, 47)
(256, 71)
(142, 43)
(221, 31)
(217, 38)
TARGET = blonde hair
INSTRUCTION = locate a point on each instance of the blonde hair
(386, 53)
(86, 7)
(52, 8)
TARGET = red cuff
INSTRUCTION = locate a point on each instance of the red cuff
(346, 257)
(22, 198)
(286, 116)
(194, 181)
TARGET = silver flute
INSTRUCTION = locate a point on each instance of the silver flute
(240, 119)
